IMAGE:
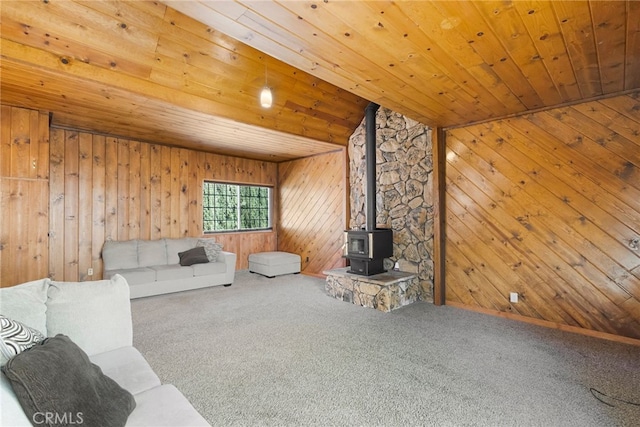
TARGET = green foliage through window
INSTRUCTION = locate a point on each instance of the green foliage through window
(230, 207)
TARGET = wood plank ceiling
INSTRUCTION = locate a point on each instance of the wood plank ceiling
(189, 74)
(144, 71)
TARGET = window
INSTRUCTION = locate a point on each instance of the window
(230, 207)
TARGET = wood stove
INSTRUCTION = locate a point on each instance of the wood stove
(366, 249)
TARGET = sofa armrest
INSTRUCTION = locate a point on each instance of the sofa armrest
(229, 259)
(12, 413)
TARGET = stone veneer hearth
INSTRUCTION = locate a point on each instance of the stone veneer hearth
(385, 292)
(404, 202)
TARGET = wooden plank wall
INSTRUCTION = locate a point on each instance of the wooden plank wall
(548, 205)
(107, 188)
(313, 209)
(24, 201)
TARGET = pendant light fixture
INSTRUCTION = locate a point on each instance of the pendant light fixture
(266, 98)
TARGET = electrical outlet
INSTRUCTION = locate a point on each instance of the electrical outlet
(90, 272)
(513, 297)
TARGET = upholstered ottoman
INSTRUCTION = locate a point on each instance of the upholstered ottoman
(273, 264)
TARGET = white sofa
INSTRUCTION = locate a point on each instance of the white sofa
(152, 267)
(97, 317)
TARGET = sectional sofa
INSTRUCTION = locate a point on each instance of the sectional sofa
(87, 371)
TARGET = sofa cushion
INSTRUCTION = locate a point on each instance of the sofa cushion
(58, 367)
(95, 315)
(16, 337)
(26, 303)
(152, 252)
(164, 406)
(120, 255)
(175, 246)
(192, 256)
(11, 413)
(134, 276)
(209, 268)
(211, 247)
(172, 272)
(128, 368)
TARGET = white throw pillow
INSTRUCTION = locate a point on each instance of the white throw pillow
(96, 315)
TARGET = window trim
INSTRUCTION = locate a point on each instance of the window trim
(270, 189)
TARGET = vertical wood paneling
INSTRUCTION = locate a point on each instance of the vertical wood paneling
(244, 244)
(19, 233)
(166, 192)
(98, 216)
(548, 205)
(82, 189)
(6, 272)
(85, 205)
(242, 171)
(5, 141)
(6, 275)
(134, 220)
(439, 203)
(155, 192)
(183, 193)
(71, 206)
(123, 190)
(20, 143)
(24, 205)
(107, 188)
(145, 192)
(34, 144)
(195, 193)
(38, 237)
(56, 202)
(41, 155)
(312, 210)
(111, 189)
(174, 194)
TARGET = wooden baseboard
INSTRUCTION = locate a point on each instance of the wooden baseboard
(548, 324)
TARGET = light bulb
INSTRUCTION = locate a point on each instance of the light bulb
(265, 97)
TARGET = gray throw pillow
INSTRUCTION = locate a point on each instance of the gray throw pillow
(195, 255)
(56, 377)
(211, 247)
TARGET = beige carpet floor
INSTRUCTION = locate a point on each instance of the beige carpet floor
(279, 352)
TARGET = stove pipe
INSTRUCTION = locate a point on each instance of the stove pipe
(370, 159)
